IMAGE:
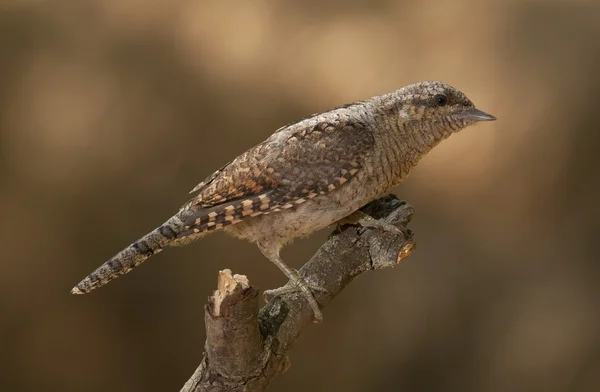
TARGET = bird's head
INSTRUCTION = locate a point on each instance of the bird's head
(436, 105)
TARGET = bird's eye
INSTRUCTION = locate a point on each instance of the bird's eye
(440, 100)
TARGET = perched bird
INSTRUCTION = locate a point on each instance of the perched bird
(309, 175)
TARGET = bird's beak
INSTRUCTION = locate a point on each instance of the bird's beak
(477, 115)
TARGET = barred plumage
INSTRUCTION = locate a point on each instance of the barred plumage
(274, 175)
(308, 175)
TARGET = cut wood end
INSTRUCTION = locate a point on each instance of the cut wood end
(406, 251)
(227, 282)
(226, 285)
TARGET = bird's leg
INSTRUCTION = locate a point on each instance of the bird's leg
(272, 253)
(367, 221)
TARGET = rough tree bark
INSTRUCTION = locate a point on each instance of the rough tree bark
(246, 348)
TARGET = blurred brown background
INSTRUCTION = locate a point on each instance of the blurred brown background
(112, 110)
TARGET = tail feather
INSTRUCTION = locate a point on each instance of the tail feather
(130, 257)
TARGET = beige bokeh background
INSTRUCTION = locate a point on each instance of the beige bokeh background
(111, 111)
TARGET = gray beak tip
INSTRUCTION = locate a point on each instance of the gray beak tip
(478, 115)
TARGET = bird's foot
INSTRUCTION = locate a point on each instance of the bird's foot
(270, 294)
(299, 285)
(368, 222)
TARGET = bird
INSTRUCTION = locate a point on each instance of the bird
(307, 176)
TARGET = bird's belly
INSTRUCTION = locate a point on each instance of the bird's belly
(299, 221)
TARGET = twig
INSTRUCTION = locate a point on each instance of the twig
(246, 348)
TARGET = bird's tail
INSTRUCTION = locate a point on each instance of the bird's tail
(130, 257)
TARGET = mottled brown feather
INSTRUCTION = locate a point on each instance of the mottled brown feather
(298, 162)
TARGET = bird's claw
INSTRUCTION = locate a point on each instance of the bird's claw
(306, 289)
(368, 222)
(270, 294)
(386, 228)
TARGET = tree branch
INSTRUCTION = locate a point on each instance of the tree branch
(246, 348)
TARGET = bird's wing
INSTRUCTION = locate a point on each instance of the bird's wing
(296, 163)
